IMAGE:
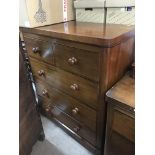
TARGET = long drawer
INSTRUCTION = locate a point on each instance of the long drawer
(67, 121)
(75, 60)
(77, 87)
(124, 125)
(67, 104)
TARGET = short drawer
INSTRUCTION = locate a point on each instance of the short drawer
(78, 61)
(70, 58)
(67, 104)
(124, 125)
(75, 86)
(41, 50)
(76, 127)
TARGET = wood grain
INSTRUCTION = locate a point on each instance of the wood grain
(90, 33)
(87, 91)
(72, 124)
(104, 52)
(85, 115)
(30, 125)
(120, 130)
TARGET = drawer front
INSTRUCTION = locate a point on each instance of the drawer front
(78, 61)
(42, 50)
(76, 127)
(124, 125)
(67, 104)
(77, 87)
(120, 146)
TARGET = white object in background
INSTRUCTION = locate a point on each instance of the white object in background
(65, 10)
(119, 3)
(34, 13)
(94, 11)
(87, 15)
(120, 16)
(89, 11)
(89, 3)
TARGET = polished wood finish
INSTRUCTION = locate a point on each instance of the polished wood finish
(106, 35)
(123, 92)
(82, 89)
(76, 64)
(64, 56)
(69, 105)
(77, 127)
(120, 132)
(30, 126)
(77, 61)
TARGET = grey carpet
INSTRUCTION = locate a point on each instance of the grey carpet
(57, 142)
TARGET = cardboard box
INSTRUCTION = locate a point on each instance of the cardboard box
(95, 11)
(89, 11)
(125, 16)
(34, 13)
(119, 3)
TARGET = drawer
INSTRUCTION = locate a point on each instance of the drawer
(79, 61)
(124, 125)
(120, 146)
(75, 86)
(41, 50)
(67, 104)
(73, 125)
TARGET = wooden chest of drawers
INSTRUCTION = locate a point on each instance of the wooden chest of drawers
(120, 132)
(74, 64)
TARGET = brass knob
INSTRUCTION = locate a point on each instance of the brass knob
(41, 72)
(74, 87)
(23, 44)
(75, 111)
(48, 108)
(45, 92)
(35, 49)
(76, 129)
(72, 61)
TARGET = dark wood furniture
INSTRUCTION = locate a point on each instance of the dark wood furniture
(74, 64)
(30, 127)
(120, 131)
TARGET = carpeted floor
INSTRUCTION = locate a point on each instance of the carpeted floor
(57, 142)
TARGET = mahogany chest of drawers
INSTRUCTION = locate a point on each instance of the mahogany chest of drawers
(74, 64)
(120, 131)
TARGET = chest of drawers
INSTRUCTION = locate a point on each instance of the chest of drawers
(120, 131)
(74, 64)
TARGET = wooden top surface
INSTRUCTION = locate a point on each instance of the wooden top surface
(123, 91)
(90, 33)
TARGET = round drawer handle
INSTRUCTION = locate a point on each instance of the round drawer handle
(45, 92)
(41, 72)
(75, 111)
(47, 108)
(72, 61)
(76, 129)
(74, 87)
(35, 49)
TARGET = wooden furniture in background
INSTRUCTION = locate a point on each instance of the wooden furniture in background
(74, 64)
(120, 131)
(30, 126)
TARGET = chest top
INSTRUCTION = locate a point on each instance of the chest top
(123, 92)
(96, 34)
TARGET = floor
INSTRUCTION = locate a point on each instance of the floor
(57, 142)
